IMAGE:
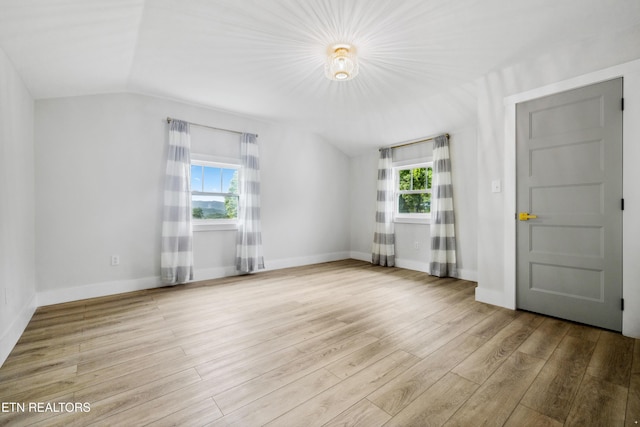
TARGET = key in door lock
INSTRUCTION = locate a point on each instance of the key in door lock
(525, 216)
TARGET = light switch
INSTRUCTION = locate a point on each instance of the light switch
(496, 186)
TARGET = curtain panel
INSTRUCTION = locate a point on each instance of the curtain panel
(443, 236)
(383, 251)
(177, 239)
(249, 256)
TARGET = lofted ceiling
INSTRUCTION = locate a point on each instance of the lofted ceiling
(265, 58)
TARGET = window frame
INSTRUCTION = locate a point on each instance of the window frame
(214, 224)
(409, 218)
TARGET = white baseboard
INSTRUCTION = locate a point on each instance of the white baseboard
(95, 290)
(17, 327)
(410, 264)
(360, 256)
(493, 298)
(470, 275)
(278, 264)
(214, 273)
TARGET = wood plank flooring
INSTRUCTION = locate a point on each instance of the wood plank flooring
(342, 343)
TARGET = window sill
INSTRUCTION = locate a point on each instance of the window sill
(209, 226)
(405, 220)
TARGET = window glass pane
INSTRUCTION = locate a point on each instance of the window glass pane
(212, 181)
(214, 207)
(196, 178)
(419, 178)
(429, 177)
(414, 203)
(230, 181)
(405, 179)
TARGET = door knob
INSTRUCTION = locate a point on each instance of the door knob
(525, 216)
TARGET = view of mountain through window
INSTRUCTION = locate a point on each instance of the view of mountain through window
(214, 191)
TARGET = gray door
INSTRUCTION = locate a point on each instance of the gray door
(569, 182)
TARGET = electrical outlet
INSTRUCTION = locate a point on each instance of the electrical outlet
(115, 260)
(416, 245)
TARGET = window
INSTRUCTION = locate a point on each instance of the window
(413, 192)
(214, 192)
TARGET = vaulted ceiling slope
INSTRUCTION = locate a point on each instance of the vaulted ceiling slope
(265, 58)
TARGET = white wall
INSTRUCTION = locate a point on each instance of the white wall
(564, 68)
(17, 207)
(305, 199)
(363, 170)
(99, 177)
(363, 173)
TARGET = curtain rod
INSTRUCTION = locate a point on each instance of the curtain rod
(169, 119)
(414, 142)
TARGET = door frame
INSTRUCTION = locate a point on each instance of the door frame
(631, 132)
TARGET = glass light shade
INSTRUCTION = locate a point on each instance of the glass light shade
(342, 63)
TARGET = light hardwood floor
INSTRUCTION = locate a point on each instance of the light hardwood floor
(342, 343)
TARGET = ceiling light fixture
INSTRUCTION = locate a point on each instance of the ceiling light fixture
(342, 63)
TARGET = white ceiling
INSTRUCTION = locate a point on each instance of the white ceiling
(265, 58)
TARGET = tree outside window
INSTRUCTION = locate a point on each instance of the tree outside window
(413, 190)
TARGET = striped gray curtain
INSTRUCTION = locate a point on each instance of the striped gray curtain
(249, 238)
(443, 236)
(383, 251)
(176, 261)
